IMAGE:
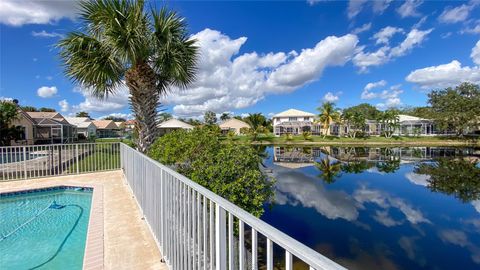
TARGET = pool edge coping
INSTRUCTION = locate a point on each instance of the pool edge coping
(94, 252)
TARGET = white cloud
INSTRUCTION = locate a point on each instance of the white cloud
(383, 36)
(228, 81)
(64, 106)
(46, 34)
(20, 12)
(118, 115)
(445, 75)
(331, 97)
(389, 97)
(113, 103)
(384, 54)
(47, 91)
(475, 29)
(409, 8)
(418, 179)
(361, 29)
(356, 6)
(475, 55)
(457, 14)
(414, 38)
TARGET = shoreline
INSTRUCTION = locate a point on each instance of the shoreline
(370, 143)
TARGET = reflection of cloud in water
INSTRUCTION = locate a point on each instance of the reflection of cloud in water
(295, 187)
(386, 201)
(411, 249)
(459, 238)
(384, 218)
(417, 179)
(476, 205)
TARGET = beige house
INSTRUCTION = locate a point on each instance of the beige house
(294, 122)
(233, 124)
(43, 128)
(173, 124)
(83, 125)
(106, 129)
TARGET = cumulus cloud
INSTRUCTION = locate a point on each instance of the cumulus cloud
(389, 97)
(64, 106)
(118, 115)
(47, 91)
(414, 38)
(383, 36)
(356, 6)
(409, 8)
(445, 75)
(331, 97)
(361, 29)
(228, 81)
(475, 55)
(457, 14)
(45, 34)
(20, 12)
(113, 103)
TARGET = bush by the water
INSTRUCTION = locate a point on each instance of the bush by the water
(230, 170)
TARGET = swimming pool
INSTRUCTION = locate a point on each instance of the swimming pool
(44, 228)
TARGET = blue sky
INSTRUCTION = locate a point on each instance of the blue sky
(266, 56)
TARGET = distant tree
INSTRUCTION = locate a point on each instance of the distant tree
(257, 124)
(390, 121)
(193, 122)
(238, 117)
(365, 109)
(355, 122)
(8, 113)
(457, 108)
(115, 118)
(164, 116)
(225, 116)
(83, 114)
(29, 109)
(210, 118)
(422, 112)
(328, 115)
(44, 109)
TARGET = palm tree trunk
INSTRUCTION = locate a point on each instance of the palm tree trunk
(144, 99)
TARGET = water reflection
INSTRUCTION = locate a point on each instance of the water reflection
(373, 207)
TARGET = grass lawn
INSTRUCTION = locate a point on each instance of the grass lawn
(102, 157)
(333, 140)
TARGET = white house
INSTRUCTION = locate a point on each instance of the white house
(173, 124)
(294, 122)
(83, 125)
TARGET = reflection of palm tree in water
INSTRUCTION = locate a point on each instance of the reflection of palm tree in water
(329, 170)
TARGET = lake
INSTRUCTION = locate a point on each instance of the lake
(380, 208)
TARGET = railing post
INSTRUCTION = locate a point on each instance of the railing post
(77, 159)
(24, 162)
(220, 238)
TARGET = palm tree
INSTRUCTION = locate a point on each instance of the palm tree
(225, 116)
(257, 124)
(389, 120)
(122, 44)
(328, 115)
(330, 171)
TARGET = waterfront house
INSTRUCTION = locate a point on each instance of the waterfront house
(173, 124)
(51, 127)
(294, 122)
(84, 126)
(234, 125)
(106, 129)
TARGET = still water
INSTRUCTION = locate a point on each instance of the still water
(380, 208)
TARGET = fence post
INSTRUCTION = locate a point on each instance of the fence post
(24, 162)
(220, 238)
(77, 159)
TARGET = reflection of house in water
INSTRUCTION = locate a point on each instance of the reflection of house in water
(297, 157)
(404, 154)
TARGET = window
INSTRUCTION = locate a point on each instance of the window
(292, 119)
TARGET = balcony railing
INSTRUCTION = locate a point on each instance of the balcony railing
(194, 227)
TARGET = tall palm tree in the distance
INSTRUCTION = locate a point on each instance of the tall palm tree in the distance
(122, 44)
(328, 115)
(257, 124)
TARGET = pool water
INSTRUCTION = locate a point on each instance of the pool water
(44, 229)
(373, 208)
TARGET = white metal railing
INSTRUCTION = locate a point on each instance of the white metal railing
(35, 161)
(197, 229)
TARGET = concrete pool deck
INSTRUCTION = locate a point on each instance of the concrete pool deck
(128, 242)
